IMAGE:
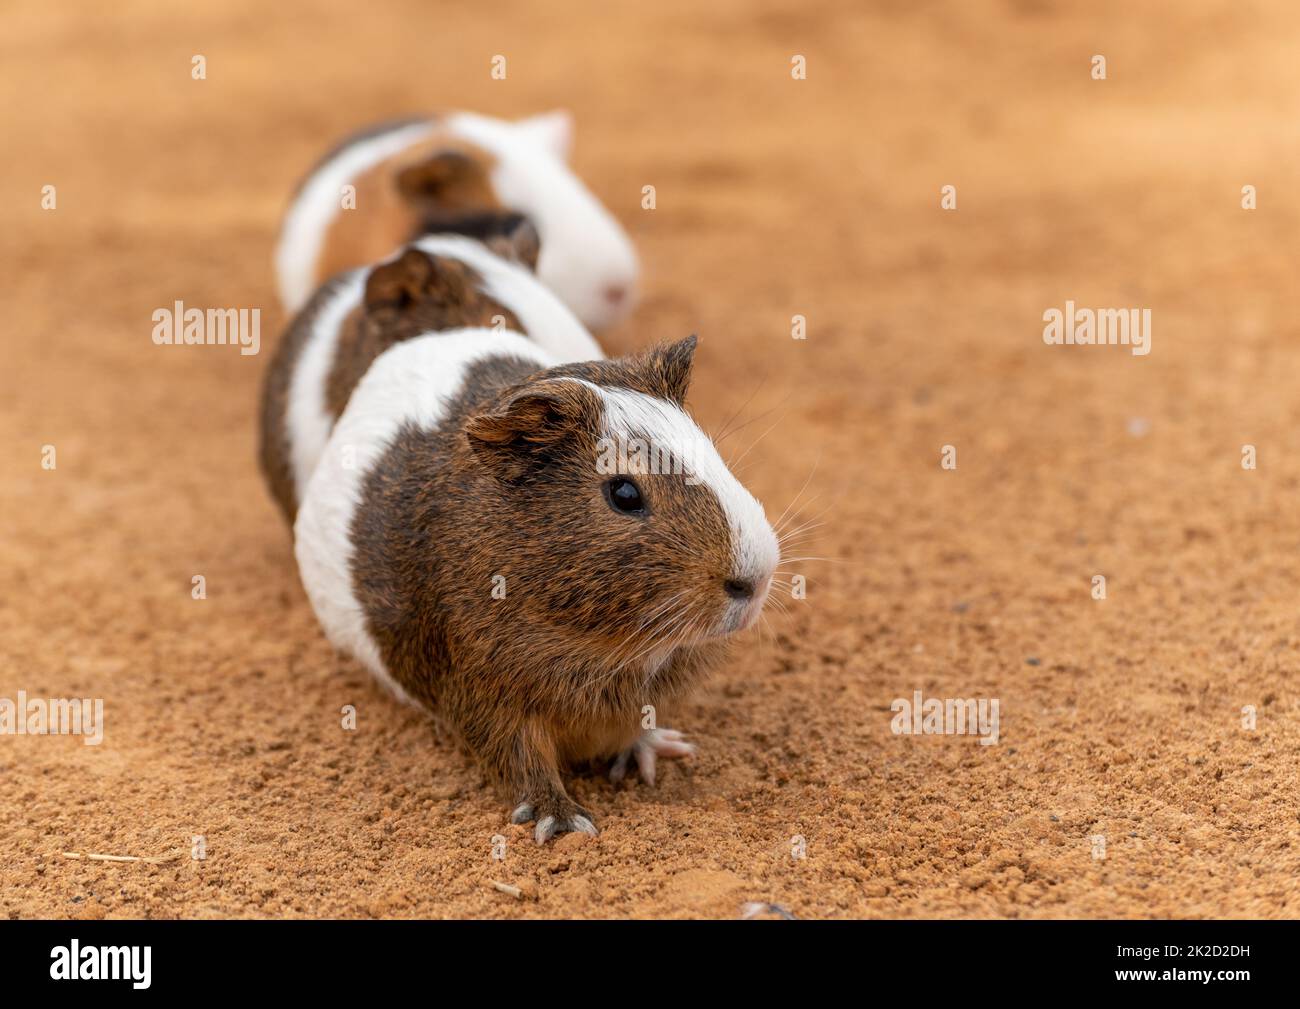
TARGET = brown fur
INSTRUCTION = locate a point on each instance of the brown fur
(508, 485)
(413, 294)
(439, 178)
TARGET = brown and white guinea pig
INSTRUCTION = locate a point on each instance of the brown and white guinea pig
(438, 282)
(535, 550)
(435, 175)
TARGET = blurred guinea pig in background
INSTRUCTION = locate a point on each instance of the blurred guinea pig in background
(452, 173)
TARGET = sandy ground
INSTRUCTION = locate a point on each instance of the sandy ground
(1120, 718)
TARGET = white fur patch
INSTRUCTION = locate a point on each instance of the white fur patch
(410, 383)
(585, 253)
(634, 415)
(546, 319)
(319, 201)
(308, 420)
(553, 130)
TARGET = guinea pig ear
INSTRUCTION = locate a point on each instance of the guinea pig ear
(518, 240)
(670, 368)
(516, 434)
(553, 130)
(401, 282)
(437, 176)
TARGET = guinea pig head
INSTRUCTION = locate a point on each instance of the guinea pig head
(624, 527)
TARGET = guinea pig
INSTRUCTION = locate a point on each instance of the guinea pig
(422, 176)
(539, 552)
(438, 282)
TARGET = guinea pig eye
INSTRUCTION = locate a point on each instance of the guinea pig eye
(624, 496)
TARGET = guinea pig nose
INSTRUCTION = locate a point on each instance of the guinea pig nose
(739, 588)
(615, 293)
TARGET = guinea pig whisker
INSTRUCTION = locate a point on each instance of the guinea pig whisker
(798, 536)
(659, 609)
(806, 524)
(665, 633)
(792, 547)
(647, 648)
(776, 600)
(736, 462)
(739, 410)
(794, 533)
(676, 628)
(817, 462)
(667, 610)
(685, 633)
(757, 417)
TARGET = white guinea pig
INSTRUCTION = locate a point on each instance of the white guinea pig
(441, 174)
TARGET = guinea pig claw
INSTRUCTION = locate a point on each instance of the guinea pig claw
(554, 816)
(668, 743)
(619, 769)
(575, 823)
(654, 743)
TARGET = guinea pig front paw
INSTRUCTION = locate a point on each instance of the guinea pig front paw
(554, 816)
(654, 743)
